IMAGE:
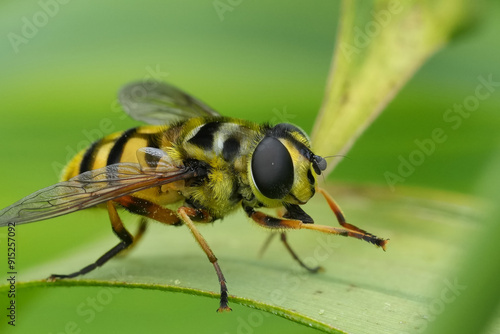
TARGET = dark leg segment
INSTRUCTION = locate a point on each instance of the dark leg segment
(143, 224)
(267, 243)
(120, 231)
(295, 256)
(281, 213)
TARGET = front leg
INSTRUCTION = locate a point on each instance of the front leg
(281, 223)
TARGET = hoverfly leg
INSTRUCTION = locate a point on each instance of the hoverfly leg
(341, 219)
(284, 240)
(280, 212)
(125, 237)
(266, 244)
(143, 224)
(185, 214)
(295, 212)
(148, 209)
(338, 212)
(296, 257)
(279, 223)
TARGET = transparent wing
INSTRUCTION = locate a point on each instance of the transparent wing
(159, 103)
(96, 186)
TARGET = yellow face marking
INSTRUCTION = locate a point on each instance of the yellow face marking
(301, 188)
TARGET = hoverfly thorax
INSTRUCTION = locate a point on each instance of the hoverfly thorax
(283, 168)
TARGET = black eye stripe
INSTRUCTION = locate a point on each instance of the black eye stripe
(272, 168)
(310, 177)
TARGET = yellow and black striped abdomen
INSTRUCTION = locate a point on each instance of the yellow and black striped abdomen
(122, 147)
(114, 148)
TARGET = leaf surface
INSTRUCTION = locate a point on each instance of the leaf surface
(362, 290)
(380, 45)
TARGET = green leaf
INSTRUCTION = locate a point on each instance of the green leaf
(380, 45)
(362, 290)
(476, 309)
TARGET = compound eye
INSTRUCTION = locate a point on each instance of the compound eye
(287, 127)
(272, 168)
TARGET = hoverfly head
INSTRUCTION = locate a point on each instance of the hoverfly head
(282, 167)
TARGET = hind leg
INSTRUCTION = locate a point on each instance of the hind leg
(120, 231)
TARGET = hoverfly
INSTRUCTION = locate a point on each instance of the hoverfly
(205, 164)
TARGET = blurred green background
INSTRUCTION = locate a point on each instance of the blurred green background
(263, 61)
